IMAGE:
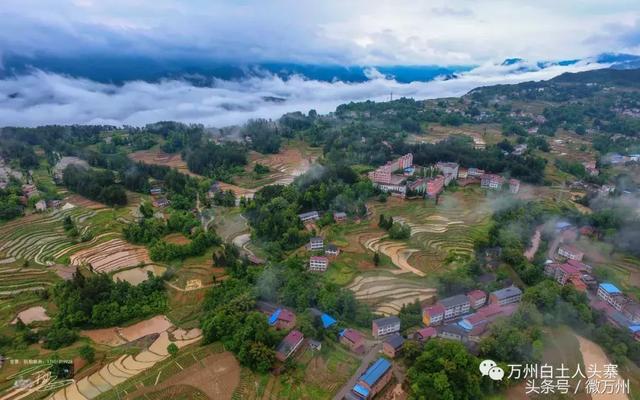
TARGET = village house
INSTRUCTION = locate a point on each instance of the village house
(590, 167)
(393, 346)
(282, 319)
(383, 174)
(455, 306)
(631, 311)
(318, 264)
(289, 345)
(449, 170)
(325, 319)
(332, 250)
(155, 191)
(433, 315)
(610, 294)
(339, 216)
(514, 186)
(213, 189)
(315, 345)
(435, 186)
(477, 298)
(54, 204)
(353, 340)
(570, 251)
(160, 202)
(309, 216)
(316, 243)
(520, 149)
(453, 332)
(41, 206)
(475, 172)
(424, 334)
(491, 181)
(373, 380)
(508, 295)
(463, 173)
(396, 185)
(385, 326)
(30, 191)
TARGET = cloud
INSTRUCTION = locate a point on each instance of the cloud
(347, 33)
(41, 98)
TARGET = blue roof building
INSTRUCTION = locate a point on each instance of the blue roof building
(361, 390)
(327, 320)
(610, 288)
(375, 372)
(274, 317)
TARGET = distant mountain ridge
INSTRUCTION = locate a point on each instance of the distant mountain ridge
(203, 72)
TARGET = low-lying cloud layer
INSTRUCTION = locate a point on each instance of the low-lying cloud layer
(44, 98)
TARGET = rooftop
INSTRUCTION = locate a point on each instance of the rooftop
(327, 320)
(375, 372)
(435, 309)
(351, 335)
(427, 332)
(477, 294)
(395, 341)
(507, 292)
(454, 300)
(387, 321)
(610, 288)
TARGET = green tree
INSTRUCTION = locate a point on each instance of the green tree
(88, 353)
(172, 349)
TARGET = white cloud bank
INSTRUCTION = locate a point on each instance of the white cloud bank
(43, 98)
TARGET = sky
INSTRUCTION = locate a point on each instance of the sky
(331, 32)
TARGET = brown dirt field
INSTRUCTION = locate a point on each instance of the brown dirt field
(217, 376)
(32, 314)
(177, 238)
(156, 324)
(80, 201)
(158, 157)
(136, 276)
(237, 190)
(119, 336)
(592, 354)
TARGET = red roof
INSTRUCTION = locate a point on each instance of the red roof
(514, 182)
(286, 315)
(352, 335)
(490, 310)
(477, 295)
(427, 332)
(434, 309)
(569, 269)
(320, 258)
(579, 265)
(293, 337)
(571, 249)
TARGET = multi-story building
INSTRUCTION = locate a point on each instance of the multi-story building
(491, 181)
(309, 216)
(339, 216)
(433, 315)
(611, 294)
(565, 272)
(435, 186)
(475, 172)
(373, 380)
(463, 173)
(631, 311)
(508, 295)
(384, 174)
(385, 326)
(514, 186)
(316, 243)
(332, 250)
(570, 251)
(449, 170)
(477, 298)
(455, 306)
(318, 264)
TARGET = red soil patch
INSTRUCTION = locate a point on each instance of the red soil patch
(237, 190)
(80, 201)
(159, 157)
(217, 376)
(119, 336)
(177, 238)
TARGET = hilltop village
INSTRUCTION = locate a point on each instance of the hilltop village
(382, 250)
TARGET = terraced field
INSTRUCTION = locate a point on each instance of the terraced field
(386, 293)
(15, 280)
(124, 368)
(41, 237)
(438, 232)
(111, 255)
